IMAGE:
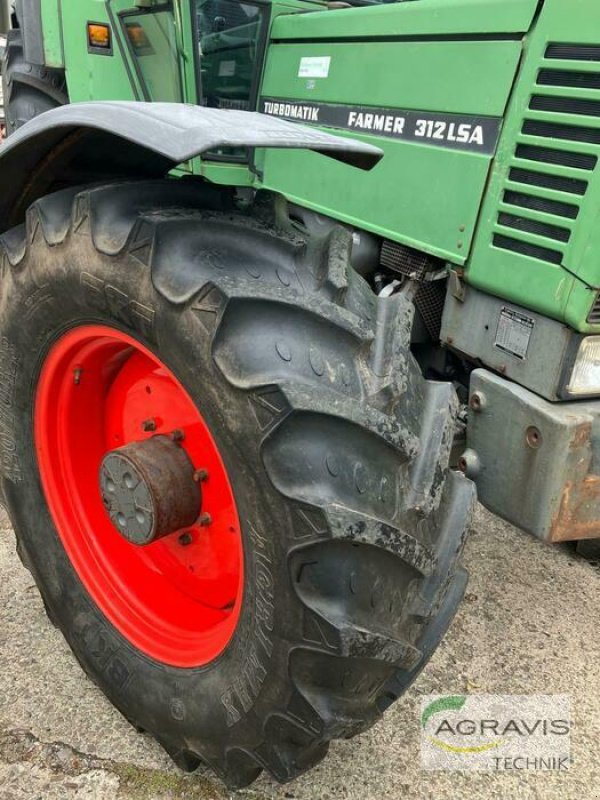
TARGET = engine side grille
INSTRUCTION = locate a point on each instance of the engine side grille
(554, 158)
(404, 260)
(430, 297)
(429, 301)
(594, 315)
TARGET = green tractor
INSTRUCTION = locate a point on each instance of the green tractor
(282, 282)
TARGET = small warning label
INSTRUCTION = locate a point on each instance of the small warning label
(514, 332)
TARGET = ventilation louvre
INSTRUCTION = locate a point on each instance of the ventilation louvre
(568, 79)
(527, 249)
(553, 207)
(553, 130)
(534, 226)
(557, 183)
(563, 158)
(565, 105)
(573, 52)
(557, 159)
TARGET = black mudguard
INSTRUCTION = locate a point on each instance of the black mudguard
(84, 142)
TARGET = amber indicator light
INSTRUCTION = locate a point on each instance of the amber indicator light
(99, 35)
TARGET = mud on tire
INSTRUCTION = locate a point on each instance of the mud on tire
(336, 446)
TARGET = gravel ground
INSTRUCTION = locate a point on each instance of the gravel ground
(529, 625)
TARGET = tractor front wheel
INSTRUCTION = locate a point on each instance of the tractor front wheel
(225, 471)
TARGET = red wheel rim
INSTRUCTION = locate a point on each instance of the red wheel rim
(176, 600)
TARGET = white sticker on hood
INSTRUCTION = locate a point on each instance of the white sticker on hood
(314, 67)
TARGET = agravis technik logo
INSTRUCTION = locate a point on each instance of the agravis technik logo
(496, 732)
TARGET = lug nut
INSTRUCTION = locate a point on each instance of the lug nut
(201, 475)
(204, 520)
(77, 373)
(178, 435)
(149, 425)
(186, 539)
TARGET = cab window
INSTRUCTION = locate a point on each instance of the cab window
(152, 40)
(229, 45)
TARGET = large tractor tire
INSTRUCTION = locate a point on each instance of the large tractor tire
(29, 90)
(170, 369)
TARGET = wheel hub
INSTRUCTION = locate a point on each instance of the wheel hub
(116, 437)
(148, 489)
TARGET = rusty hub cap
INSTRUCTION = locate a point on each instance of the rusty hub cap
(148, 489)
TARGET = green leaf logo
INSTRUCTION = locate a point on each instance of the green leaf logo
(450, 703)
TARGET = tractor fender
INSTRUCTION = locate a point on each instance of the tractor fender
(86, 142)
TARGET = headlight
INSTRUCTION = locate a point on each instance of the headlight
(585, 377)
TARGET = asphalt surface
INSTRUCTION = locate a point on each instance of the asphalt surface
(530, 624)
